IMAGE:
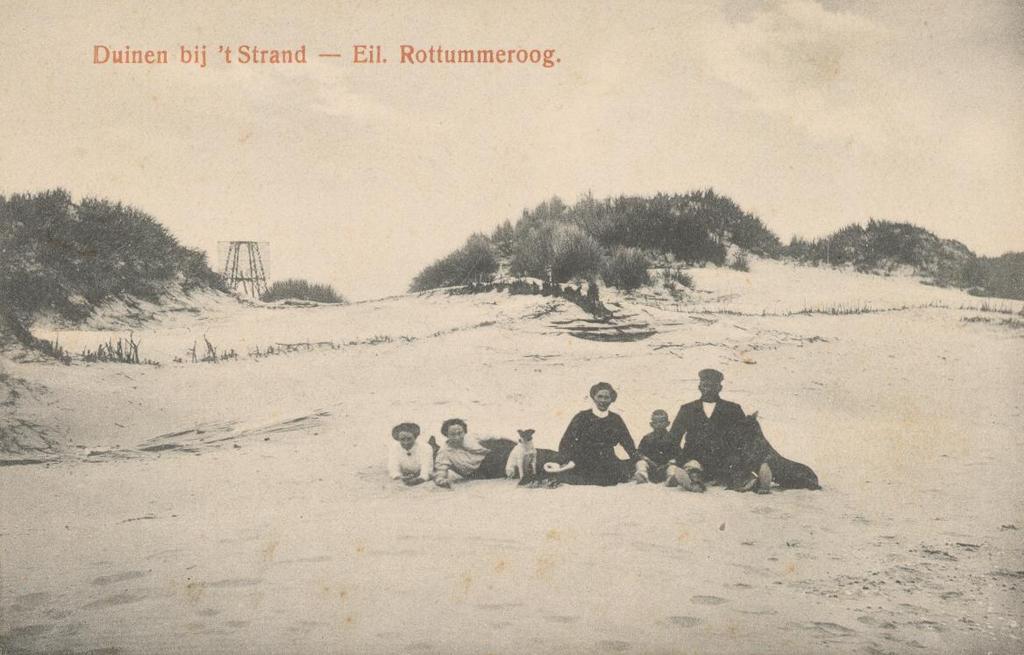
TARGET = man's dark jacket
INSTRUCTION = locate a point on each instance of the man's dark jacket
(730, 445)
(707, 438)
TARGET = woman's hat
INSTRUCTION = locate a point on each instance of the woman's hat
(405, 427)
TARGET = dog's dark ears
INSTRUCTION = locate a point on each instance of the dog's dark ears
(526, 434)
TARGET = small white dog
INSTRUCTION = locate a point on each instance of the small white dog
(522, 461)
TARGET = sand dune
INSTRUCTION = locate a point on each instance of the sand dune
(243, 506)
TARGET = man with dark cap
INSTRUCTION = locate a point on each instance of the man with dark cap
(706, 424)
(724, 445)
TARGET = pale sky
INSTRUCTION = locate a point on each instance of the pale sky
(810, 114)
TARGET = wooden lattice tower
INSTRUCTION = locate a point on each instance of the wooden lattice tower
(243, 267)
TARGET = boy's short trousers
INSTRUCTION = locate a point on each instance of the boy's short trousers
(656, 472)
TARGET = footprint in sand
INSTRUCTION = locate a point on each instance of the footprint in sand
(164, 554)
(27, 602)
(831, 629)
(683, 621)
(562, 619)
(26, 632)
(124, 598)
(876, 623)
(613, 645)
(307, 560)
(708, 600)
(498, 606)
(104, 580)
(234, 582)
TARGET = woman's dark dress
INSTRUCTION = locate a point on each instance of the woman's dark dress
(590, 442)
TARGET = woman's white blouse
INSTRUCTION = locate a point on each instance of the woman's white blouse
(418, 460)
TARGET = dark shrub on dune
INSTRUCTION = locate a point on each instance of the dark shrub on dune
(473, 262)
(627, 269)
(502, 239)
(559, 242)
(302, 290)
(556, 242)
(59, 256)
(532, 251)
(881, 245)
(884, 245)
(1001, 276)
(574, 254)
(740, 263)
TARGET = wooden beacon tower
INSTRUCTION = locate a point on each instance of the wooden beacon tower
(243, 267)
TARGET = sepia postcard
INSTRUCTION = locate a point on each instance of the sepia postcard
(504, 328)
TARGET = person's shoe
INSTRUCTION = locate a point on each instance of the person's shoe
(672, 475)
(693, 481)
(764, 480)
(748, 483)
(640, 478)
(697, 482)
(695, 487)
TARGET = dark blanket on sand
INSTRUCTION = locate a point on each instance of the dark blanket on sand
(493, 466)
(746, 448)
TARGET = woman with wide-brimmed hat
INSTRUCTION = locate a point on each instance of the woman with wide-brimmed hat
(587, 451)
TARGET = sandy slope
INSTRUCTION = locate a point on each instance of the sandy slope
(243, 507)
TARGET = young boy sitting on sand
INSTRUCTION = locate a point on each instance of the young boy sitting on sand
(409, 461)
(657, 453)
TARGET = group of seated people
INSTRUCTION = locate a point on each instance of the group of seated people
(710, 442)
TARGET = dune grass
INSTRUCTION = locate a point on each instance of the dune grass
(296, 289)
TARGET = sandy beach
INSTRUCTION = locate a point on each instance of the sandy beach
(243, 506)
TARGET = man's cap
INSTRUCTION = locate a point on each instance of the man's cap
(710, 375)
